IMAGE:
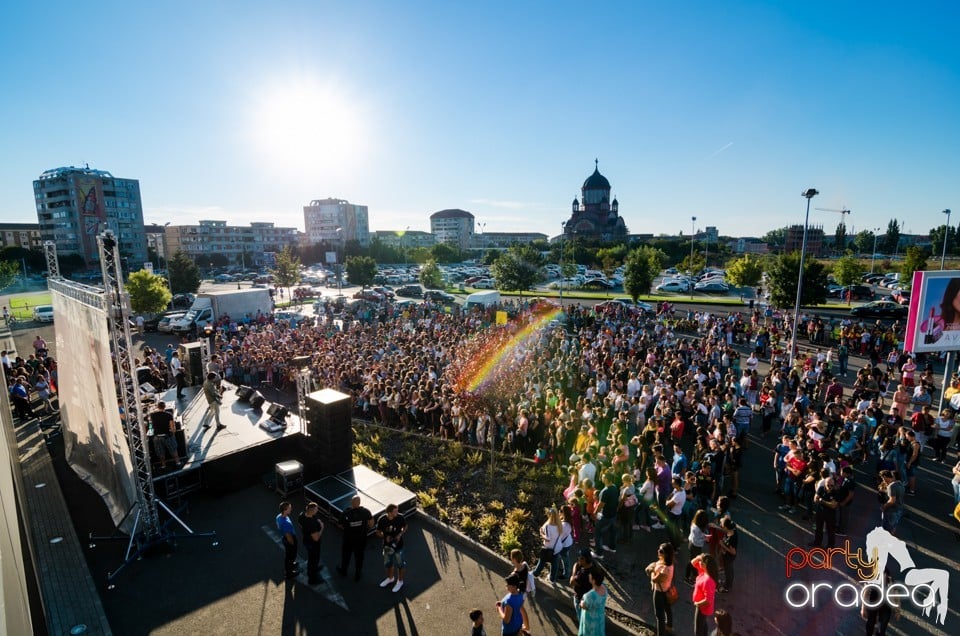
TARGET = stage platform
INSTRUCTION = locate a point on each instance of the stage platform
(228, 459)
(334, 492)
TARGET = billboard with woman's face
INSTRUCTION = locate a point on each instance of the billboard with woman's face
(934, 320)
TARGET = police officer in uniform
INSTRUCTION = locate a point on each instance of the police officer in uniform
(357, 521)
(311, 528)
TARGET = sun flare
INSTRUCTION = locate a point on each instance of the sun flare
(309, 128)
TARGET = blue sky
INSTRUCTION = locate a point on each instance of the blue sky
(722, 110)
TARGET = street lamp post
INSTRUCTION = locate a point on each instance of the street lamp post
(563, 230)
(339, 231)
(946, 233)
(873, 257)
(808, 194)
(693, 232)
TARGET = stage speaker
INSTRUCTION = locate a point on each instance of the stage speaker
(257, 400)
(328, 415)
(192, 360)
(244, 393)
(278, 413)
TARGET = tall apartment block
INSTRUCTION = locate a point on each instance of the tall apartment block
(323, 217)
(75, 204)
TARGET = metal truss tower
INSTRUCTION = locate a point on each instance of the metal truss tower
(118, 315)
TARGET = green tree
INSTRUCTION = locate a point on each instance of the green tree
(848, 270)
(184, 274)
(642, 266)
(9, 272)
(840, 238)
(517, 269)
(430, 275)
(745, 271)
(444, 253)
(361, 270)
(692, 264)
(914, 260)
(610, 258)
(219, 260)
(286, 270)
(34, 259)
(863, 242)
(775, 238)
(892, 240)
(148, 292)
(936, 239)
(783, 276)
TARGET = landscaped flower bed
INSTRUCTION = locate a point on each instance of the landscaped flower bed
(454, 484)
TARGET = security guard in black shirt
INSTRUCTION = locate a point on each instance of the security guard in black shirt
(311, 528)
(357, 522)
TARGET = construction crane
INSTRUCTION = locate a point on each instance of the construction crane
(843, 212)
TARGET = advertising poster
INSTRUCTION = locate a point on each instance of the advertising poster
(934, 319)
(90, 203)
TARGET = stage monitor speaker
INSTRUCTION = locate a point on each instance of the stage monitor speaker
(192, 361)
(328, 415)
(278, 412)
(244, 393)
(257, 400)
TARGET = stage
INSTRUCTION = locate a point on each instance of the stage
(227, 459)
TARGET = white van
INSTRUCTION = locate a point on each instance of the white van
(482, 299)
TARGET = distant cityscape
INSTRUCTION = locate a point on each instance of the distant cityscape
(75, 204)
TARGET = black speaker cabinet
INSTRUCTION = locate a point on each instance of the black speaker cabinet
(192, 360)
(329, 415)
(244, 393)
(257, 400)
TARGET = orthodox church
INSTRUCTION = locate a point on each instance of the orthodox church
(594, 215)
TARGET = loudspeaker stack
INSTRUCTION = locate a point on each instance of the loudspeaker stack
(192, 361)
(329, 428)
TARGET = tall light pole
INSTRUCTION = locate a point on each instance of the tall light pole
(563, 230)
(946, 233)
(693, 232)
(873, 257)
(339, 232)
(808, 194)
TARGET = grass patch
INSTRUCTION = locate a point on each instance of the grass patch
(22, 306)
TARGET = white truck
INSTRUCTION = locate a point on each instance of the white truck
(236, 303)
(482, 299)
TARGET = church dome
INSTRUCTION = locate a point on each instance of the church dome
(596, 181)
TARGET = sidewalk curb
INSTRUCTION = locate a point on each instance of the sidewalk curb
(614, 614)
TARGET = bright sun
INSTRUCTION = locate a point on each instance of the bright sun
(306, 128)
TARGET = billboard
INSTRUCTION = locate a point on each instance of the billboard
(933, 323)
(92, 213)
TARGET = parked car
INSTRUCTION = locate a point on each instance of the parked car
(484, 283)
(880, 309)
(675, 286)
(437, 296)
(368, 294)
(712, 287)
(43, 313)
(182, 301)
(601, 284)
(901, 296)
(386, 292)
(857, 292)
(410, 291)
(164, 324)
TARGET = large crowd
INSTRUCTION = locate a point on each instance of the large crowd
(651, 414)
